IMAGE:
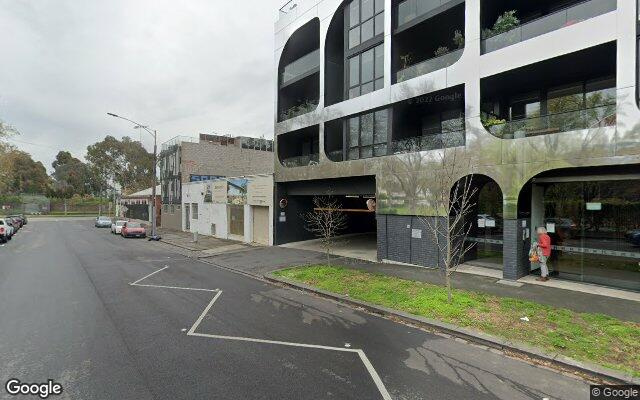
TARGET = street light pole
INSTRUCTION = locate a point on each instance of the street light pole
(154, 133)
(153, 190)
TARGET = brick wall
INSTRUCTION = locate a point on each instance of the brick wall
(396, 241)
(206, 158)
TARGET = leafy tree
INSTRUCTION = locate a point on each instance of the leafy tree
(73, 177)
(22, 174)
(124, 162)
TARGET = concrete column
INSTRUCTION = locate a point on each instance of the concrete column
(516, 248)
(537, 207)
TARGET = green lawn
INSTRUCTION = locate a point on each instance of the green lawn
(596, 338)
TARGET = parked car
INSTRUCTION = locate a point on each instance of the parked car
(6, 230)
(23, 218)
(15, 223)
(633, 237)
(103, 222)
(116, 227)
(133, 229)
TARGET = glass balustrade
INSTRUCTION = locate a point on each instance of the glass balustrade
(428, 142)
(300, 161)
(428, 66)
(554, 123)
(300, 67)
(549, 23)
(336, 155)
(409, 10)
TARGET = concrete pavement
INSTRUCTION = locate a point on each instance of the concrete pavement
(70, 313)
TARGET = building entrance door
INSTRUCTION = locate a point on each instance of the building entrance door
(236, 220)
(187, 217)
(595, 231)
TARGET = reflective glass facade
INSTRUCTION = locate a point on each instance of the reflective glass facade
(595, 231)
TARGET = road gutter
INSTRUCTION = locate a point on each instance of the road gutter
(585, 370)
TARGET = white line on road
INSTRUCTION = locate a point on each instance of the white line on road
(153, 273)
(175, 287)
(201, 317)
(192, 332)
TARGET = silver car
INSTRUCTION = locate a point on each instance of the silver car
(103, 222)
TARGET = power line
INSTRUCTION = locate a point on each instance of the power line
(31, 143)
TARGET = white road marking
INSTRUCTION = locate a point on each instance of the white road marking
(175, 287)
(146, 276)
(206, 310)
(192, 332)
(376, 378)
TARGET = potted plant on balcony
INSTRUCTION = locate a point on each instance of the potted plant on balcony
(505, 23)
(458, 39)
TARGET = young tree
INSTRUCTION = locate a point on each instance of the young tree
(453, 201)
(325, 221)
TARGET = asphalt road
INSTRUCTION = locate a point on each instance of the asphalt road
(189, 330)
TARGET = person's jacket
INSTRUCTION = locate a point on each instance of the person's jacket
(544, 243)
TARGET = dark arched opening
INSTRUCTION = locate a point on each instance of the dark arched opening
(299, 72)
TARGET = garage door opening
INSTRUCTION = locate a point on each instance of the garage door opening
(355, 198)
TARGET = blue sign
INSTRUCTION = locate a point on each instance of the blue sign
(203, 178)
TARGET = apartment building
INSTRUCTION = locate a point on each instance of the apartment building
(539, 98)
(186, 159)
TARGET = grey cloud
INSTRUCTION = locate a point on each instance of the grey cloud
(184, 67)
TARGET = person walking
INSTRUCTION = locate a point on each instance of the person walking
(544, 252)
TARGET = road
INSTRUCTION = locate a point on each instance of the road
(190, 330)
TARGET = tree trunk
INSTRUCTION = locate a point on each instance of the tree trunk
(448, 280)
(328, 257)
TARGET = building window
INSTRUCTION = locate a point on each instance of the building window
(366, 72)
(165, 208)
(367, 135)
(194, 210)
(173, 209)
(365, 21)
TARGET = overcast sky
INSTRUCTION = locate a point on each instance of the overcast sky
(185, 67)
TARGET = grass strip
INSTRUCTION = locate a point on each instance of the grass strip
(595, 338)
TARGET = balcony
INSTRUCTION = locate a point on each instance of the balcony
(545, 24)
(299, 72)
(411, 10)
(300, 161)
(589, 118)
(428, 142)
(301, 68)
(428, 66)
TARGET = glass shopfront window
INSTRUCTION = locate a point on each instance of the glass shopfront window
(595, 231)
(487, 227)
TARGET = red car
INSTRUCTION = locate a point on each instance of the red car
(133, 229)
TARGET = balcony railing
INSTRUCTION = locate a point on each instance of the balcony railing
(554, 123)
(430, 65)
(177, 140)
(300, 67)
(300, 161)
(549, 23)
(409, 10)
(336, 155)
(299, 110)
(289, 8)
(428, 142)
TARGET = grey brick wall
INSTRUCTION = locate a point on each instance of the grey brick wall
(395, 241)
(382, 236)
(399, 238)
(516, 249)
(207, 158)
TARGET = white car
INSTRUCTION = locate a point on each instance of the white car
(116, 227)
(6, 231)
